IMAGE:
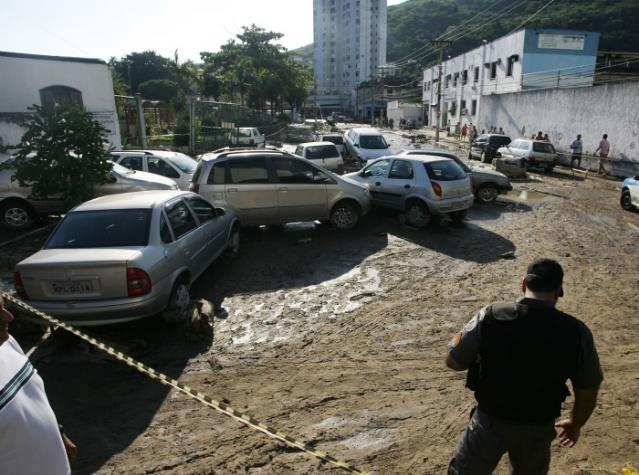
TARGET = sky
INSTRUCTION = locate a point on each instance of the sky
(102, 29)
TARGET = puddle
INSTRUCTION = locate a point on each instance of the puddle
(527, 195)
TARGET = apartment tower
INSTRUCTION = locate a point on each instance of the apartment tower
(349, 45)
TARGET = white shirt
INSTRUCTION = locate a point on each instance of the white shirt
(30, 441)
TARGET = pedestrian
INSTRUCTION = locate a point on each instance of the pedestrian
(483, 131)
(519, 356)
(391, 122)
(501, 131)
(577, 147)
(31, 441)
(540, 136)
(464, 131)
(603, 149)
(546, 138)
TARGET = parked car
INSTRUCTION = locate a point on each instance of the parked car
(19, 211)
(275, 187)
(176, 166)
(630, 193)
(247, 136)
(325, 154)
(337, 139)
(485, 147)
(530, 154)
(127, 256)
(421, 186)
(486, 184)
(365, 144)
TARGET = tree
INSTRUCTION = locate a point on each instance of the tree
(164, 90)
(62, 154)
(137, 68)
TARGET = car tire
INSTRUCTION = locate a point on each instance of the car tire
(626, 200)
(487, 193)
(178, 310)
(233, 243)
(16, 215)
(549, 168)
(344, 215)
(417, 214)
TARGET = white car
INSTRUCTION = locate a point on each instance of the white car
(19, 211)
(325, 154)
(249, 136)
(630, 193)
(174, 165)
(530, 154)
(365, 144)
(337, 139)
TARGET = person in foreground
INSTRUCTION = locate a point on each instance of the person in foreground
(31, 441)
(519, 356)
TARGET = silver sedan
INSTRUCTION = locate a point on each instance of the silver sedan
(125, 257)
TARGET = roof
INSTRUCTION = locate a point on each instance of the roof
(226, 152)
(312, 144)
(427, 150)
(67, 59)
(366, 131)
(135, 200)
(416, 158)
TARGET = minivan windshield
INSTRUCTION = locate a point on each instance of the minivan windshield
(375, 142)
(183, 162)
(321, 151)
(543, 147)
(446, 170)
(104, 228)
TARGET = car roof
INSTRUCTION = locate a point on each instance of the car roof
(330, 135)
(416, 158)
(135, 200)
(427, 151)
(158, 153)
(230, 152)
(309, 144)
(367, 131)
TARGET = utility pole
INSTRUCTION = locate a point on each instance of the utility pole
(441, 44)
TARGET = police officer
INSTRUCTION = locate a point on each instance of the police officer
(519, 357)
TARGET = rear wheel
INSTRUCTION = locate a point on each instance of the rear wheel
(344, 215)
(16, 215)
(626, 200)
(487, 193)
(179, 303)
(417, 214)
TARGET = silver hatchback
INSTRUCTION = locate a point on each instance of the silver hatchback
(274, 187)
(125, 257)
(421, 186)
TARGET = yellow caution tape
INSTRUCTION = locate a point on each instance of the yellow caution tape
(183, 388)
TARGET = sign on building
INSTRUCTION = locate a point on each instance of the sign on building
(558, 41)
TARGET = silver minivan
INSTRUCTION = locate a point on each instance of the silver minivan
(419, 185)
(274, 187)
(530, 153)
(125, 257)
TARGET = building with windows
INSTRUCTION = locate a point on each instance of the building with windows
(29, 79)
(526, 60)
(349, 45)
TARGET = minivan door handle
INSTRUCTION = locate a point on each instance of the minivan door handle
(406, 186)
(231, 189)
(283, 188)
(377, 183)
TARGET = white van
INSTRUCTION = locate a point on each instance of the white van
(324, 154)
(365, 144)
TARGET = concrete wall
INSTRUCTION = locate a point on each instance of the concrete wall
(564, 113)
(398, 110)
(22, 79)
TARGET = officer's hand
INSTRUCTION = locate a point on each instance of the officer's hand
(71, 449)
(568, 432)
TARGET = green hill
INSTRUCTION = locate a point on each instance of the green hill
(412, 23)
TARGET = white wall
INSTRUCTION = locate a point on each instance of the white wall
(22, 79)
(564, 113)
(396, 110)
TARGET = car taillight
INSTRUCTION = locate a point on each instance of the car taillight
(17, 283)
(194, 187)
(436, 188)
(138, 282)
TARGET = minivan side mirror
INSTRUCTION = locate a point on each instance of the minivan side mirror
(112, 178)
(356, 145)
(366, 173)
(220, 211)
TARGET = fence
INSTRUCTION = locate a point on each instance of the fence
(196, 126)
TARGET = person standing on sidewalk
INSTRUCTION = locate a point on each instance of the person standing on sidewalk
(577, 148)
(603, 149)
(519, 356)
(31, 441)
(464, 131)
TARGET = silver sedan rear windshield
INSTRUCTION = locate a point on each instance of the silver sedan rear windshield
(446, 170)
(108, 228)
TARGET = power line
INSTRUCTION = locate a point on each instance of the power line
(547, 4)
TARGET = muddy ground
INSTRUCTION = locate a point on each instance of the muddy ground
(338, 339)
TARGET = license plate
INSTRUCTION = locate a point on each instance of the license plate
(72, 287)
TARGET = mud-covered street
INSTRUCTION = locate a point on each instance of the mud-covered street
(338, 339)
